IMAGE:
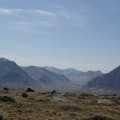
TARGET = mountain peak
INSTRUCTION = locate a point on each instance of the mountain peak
(4, 60)
(13, 76)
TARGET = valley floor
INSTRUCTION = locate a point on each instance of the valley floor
(45, 106)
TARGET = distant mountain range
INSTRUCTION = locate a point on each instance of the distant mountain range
(76, 76)
(106, 83)
(42, 78)
(38, 78)
(50, 78)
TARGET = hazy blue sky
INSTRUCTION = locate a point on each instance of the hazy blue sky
(84, 34)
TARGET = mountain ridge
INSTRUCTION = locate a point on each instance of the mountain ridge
(76, 76)
(107, 82)
(12, 75)
(50, 80)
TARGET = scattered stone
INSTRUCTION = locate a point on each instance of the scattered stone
(25, 95)
(6, 89)
(30, 90)
(7, 99)
(1, 117)
(58, 98)
(53, 92)
(104, 102)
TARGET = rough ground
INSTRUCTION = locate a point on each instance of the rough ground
(42, 106)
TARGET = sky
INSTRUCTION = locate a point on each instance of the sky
(81, 34)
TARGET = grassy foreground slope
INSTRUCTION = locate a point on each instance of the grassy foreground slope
(42, 106)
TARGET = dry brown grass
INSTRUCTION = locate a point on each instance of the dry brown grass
(38, 106)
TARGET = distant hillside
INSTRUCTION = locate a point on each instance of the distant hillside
(42, 78)
(109, 82)
(50, 80)
(12, 76)
(76, 76)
